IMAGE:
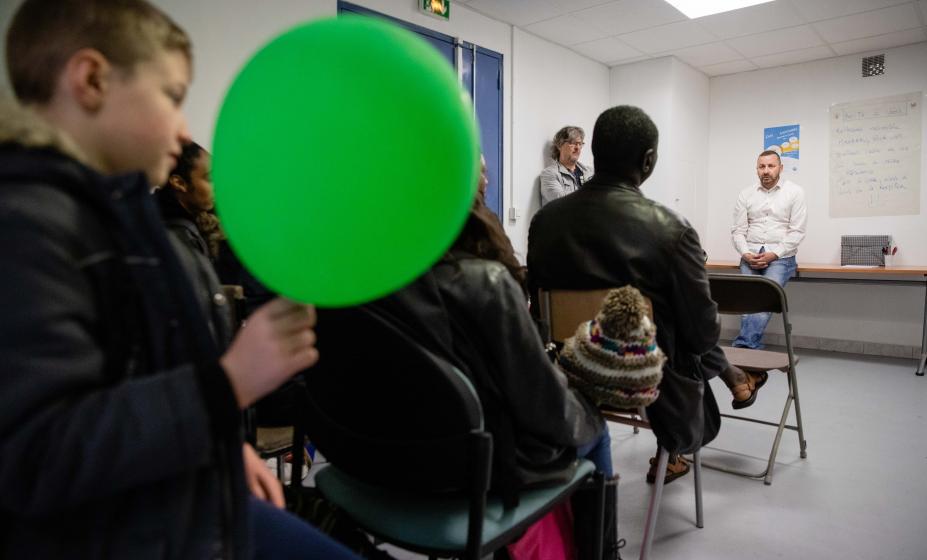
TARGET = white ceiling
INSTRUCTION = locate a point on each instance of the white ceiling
(772, 34)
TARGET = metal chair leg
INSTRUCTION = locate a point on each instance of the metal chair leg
(767, 479)
(654, 508)
(802, 444)
(599, 538)
(697, 459)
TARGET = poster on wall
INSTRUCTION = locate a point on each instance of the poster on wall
(875, 157)
(784, 141)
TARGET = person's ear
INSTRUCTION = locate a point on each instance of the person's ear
(649, 161)
(177, 183)
(88, 76)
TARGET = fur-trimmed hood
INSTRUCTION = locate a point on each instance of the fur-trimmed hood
(23, 126)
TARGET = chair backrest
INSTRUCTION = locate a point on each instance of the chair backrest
(563, 310)
(389, 412)
(741, 293)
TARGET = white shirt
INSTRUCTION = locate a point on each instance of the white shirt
(773, 219)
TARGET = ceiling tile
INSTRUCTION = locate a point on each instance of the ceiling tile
(868, 24)
(793, 57)
(625, 16)
(706, 55)
(668, 37)
(576, 5)
(771, 42)
(566, 30)
(879, 42)
(814, 10)
(628, 60)
(607, 50)
(518, 12)
(754, 19)
(732, 67)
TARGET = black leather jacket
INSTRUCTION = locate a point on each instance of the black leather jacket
(608, 234)
(473, 313)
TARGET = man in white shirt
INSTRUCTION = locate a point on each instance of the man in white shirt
(769, 224)
(566, 174)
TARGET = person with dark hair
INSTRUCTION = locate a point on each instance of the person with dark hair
(488, 332)
(566, 173)
(471, 309)
(186, 197)
(770, 218)
(607, 235)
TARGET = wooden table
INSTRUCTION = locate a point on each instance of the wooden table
(897, 275)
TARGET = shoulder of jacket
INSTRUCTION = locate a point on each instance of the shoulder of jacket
(40, 201)
(552, 170)
(490, 271)
(668, 218)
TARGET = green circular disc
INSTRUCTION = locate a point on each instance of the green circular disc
(345, 160)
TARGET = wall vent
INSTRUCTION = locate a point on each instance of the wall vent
(873, 65)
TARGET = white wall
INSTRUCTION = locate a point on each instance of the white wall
(224, 36)
(741, 106)
(675, 96)
(553, 87)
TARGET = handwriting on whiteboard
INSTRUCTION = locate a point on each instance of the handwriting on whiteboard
(875, 151)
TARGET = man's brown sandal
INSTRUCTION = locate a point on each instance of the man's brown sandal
(745, 393)
(674, 469)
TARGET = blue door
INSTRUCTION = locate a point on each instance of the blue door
(488, 99)
(486, 92)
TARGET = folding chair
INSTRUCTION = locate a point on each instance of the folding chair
(561, 311)
(410, 456)
(739, 294)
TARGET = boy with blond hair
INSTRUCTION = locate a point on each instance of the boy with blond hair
(119, 420)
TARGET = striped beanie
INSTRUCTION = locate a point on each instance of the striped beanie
(614, 359)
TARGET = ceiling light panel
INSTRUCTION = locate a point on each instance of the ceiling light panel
(698, 8)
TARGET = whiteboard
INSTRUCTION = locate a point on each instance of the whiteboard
(875, 157)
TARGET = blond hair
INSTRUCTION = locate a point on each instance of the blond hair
(44, 34)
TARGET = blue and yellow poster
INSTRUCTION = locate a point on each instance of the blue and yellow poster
(784, 141)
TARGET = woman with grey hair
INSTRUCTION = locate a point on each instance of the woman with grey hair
(566, 174)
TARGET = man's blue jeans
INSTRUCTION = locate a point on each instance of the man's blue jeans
(752, 326)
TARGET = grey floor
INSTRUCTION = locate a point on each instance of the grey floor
(860, 495)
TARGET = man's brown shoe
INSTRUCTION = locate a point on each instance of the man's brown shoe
(674, 469)
(745, 393)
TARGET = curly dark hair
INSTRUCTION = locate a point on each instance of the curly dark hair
(620, 138)
(206, 221)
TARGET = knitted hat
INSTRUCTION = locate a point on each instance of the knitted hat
(614, 359)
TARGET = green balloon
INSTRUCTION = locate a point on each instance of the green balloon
(345, 160)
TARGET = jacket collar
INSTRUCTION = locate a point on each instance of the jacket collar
(22, 126)
(601, 179)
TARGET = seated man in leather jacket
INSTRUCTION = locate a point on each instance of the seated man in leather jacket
(608, 234)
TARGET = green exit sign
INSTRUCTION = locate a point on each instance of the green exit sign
(437, 8)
